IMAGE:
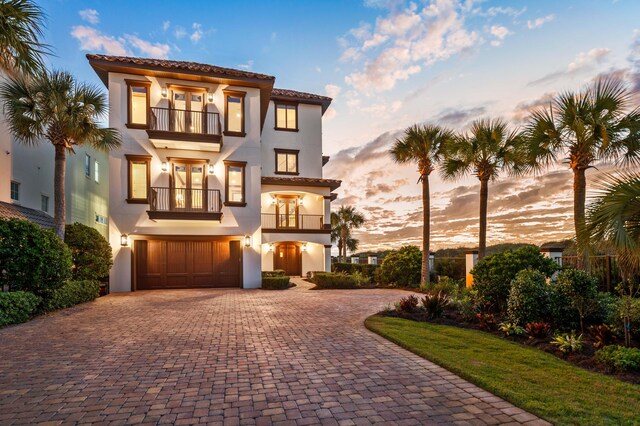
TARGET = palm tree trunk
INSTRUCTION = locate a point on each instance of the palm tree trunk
(579, 200)
(482, 233)
(59, 208)
(344, 245)
(426, 230)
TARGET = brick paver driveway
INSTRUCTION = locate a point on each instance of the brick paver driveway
(229, 356)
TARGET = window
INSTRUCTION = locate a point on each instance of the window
(287, 161)
(96, 171)
(15, 190)
(234, 113)
(44, 203)
(286, 116)
(139, 177)
(138, 99)
(87, 165)
(234, 183)
(102, 220)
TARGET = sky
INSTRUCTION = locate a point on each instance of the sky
(389, 64)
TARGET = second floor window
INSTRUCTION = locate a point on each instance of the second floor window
(44, 203)
(15, 190)
(234, 183)
(87, 165)
(96, 171)
(139, 177)
(138, 99)
(234, 113)
(286, 116)
(287, 161)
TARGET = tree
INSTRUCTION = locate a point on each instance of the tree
(21, 24)
(582, 129)
(423, 145)
(343, 222)
(56, 107)
(488, 149)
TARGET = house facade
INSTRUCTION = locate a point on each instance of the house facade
(219, 176)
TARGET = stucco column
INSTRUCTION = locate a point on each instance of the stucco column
(327, 258)
(554, 253)
(471, 258)
(327, 212)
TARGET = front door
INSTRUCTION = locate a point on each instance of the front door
(287, 258)
(188, 186)
(187, 111)
(287, 212)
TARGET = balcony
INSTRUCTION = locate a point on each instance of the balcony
(184, 204)
(182, 129)
(300, 223)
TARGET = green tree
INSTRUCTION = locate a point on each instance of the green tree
(65, 112)
(581, 129)
(91, 252)
(21, 49)
(343, 222)
(423, 145)
(488, 149)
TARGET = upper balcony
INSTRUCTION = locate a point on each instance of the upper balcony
(184, 129)
(184, 204)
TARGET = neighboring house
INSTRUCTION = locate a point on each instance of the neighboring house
(219, 176)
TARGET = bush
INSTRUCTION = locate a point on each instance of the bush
(538, 330)
(276, 273)
(528, 298)
(31, 258)
(72, 293)
(511, 329)
(275, 283)
(369, 271)
(332, 280)
(401, 267)
(91, 252)
(407, 304)
(568, 343)
(450, 267)
(434, 304)
(603, 335)
(486, 321)
(466, 305)
(446, 285)
(581, 291)
(17, 307)
(619, 358)
(492, 275)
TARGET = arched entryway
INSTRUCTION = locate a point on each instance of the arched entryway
(286, 256)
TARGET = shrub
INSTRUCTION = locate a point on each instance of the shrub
(603, 335)
(492, 276)
(91, 252)
(276, 273)
(606, 309)
(451, 268)
(31, 258)
(580, 289)
(72, 293)
(434, 304)
(332, 280)
(17, 307)
(466, 305)
(446, 285)
(511, 329)
(619, 358)
(538, 330)
(568, 343)
(275, 283)
(486, 321)
(407, 304)
(369, 271)
(528, 297)
(401, 267)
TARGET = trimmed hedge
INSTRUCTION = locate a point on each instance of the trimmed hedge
(275, 283)
(276, 273)
(334, 280)
(401, 267)
(73, 293)
(619, 358)
(528, 297)
(17, 307)
(367, 270)
(91, 252)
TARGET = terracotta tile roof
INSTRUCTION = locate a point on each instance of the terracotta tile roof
(14, 211)
(301, 181)
(286, 93)
(179, 66)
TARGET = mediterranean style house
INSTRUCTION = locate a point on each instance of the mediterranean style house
(219, 176)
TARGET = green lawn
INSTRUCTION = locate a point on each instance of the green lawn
(527, 377)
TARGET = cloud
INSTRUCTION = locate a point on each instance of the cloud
(584, 61)
(458, 118)
(538, 22)
(499, 32)
(247, 66)
(89, 15)
(329, 114)
(166, 25)
(404, 41)
(522, 110)
(332, 90)
(497, 10)
(197, 33)
(382, 108)
(93, 40)
(179, 32)
(147, 48)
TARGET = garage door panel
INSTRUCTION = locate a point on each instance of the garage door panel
(202, 257)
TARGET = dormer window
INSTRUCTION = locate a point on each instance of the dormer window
(138, 100)
(286, 116)
(234, 113)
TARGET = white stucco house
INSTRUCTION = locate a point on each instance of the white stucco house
(219, 176)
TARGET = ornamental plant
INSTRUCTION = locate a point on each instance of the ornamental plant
(91, 252)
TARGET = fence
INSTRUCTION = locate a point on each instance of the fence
(605, 268)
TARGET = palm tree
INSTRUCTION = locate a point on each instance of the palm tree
(66, 113)
(21, 24)
(594, 125)
(422, 144)
(488, 149)
(343, 222)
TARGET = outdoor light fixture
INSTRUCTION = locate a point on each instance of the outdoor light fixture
(210, 97)
(124, 240)
(247, 240)
(165, 166)
(301, 201)
(304, 247)
(270, 247)
(273, 201)
(211, 171)
(163, 92)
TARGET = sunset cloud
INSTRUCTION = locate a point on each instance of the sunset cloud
(584, 61)
(538, 22)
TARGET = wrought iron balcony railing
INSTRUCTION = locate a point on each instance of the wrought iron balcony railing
(183, 121)
(292, 222)
(187, 203)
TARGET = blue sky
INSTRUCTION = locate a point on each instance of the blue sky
(387, 64)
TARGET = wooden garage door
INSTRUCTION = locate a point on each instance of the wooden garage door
(187, 264)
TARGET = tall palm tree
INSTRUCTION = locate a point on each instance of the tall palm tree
(343, 222)
(422, 144)
(21, 24)
(486, 150)
(65, 112)
(584, 128)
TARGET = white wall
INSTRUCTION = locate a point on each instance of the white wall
(313, 259)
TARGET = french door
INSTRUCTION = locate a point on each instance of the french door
(188, 186)
(287, 212)
(187, 111)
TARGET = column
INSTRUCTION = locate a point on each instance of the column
(327, 258)
(471, 258)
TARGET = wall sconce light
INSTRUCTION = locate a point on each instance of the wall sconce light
(124, 240)
(301, 201)
(210, 97)
(270, 247)
(163, 92)
(247, 240)
(211, 169)
(165, 166)
(273, 201)
(304, 247)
